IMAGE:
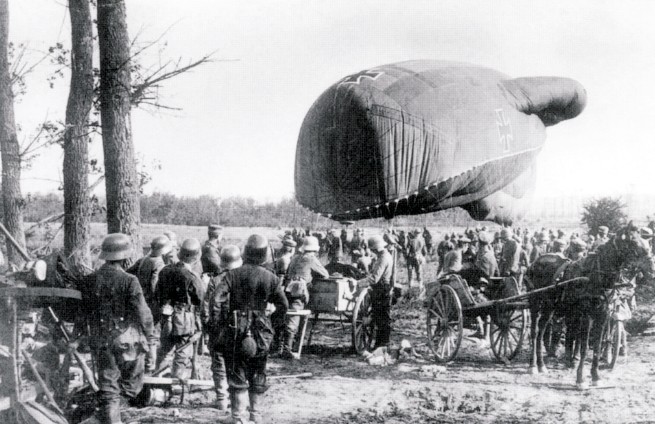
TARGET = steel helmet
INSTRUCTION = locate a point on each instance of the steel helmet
(289, 242)
(484, 237)
(256, 250)
(231, 257)
(505, 233)
(578, 244)
(376, 243)
(116, 247)
(190, 250)
(160, 245)
(310, 244)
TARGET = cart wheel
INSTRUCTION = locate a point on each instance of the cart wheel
(363, 327)
(612, 339)
(507, 331)
(445, 324)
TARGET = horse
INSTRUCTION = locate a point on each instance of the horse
(584, 303)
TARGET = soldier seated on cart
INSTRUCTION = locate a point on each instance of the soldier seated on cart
(478, 274)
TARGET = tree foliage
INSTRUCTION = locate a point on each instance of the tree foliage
(607, 211)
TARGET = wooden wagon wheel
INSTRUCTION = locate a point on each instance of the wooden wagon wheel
(363, 332)
(508, 325)
(611, 342)
(445, 324)
(507, 332)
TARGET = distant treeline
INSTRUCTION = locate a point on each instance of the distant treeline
(166, 208)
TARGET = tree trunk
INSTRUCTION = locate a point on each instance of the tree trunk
(76, 140)
(11, 194)
(122, 184)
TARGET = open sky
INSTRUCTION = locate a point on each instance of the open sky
(237, 130)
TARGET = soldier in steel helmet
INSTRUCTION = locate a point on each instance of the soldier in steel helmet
(216, 295)
(121, 327)
(246, 331)
(540, 247)
(180, 295)
(302, 270)
(380, 282)
(211, 250)
(147, 270)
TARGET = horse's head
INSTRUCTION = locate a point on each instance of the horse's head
(633, 253)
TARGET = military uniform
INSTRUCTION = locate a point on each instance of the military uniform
(510, 259)
(147, 271)
(486, 263)
(282, 264)
(538, 250)
(217, 294)
(335, 250)
(121, 328)
(302, 271)
(415, 258)
(249, 288)
(180, 293)
(427, 236)
(380, 282)
(210, 257)
(452, 262)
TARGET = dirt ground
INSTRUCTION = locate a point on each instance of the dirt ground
(474, 388)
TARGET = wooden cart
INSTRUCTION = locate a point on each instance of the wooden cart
(452, 306)
(335, 296)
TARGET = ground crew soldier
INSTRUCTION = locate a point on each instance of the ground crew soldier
(335, 250)
(485, 260)
(121, 327)
(380, 282)
(559, 246)
(510, 256)
(246, 330)
(344, 240)
(441, 251)
(415, 258)
(211, 250)
(577, 249)
(361, 262)
(453, 259)
(427, 236)
(302, 270)
(602, 238)
(540, 247)
(180, 294)
(284, 259)
(147, 270)
(216, 295)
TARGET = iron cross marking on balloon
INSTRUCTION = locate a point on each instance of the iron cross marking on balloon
(357, 78)
(505, 133)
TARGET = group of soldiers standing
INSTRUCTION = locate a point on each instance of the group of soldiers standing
(161, 304)
(140, 313)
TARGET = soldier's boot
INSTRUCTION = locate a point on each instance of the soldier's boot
(110, 412)
(222, 403)
(239, 402)
(287, 345)
(255, 415)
